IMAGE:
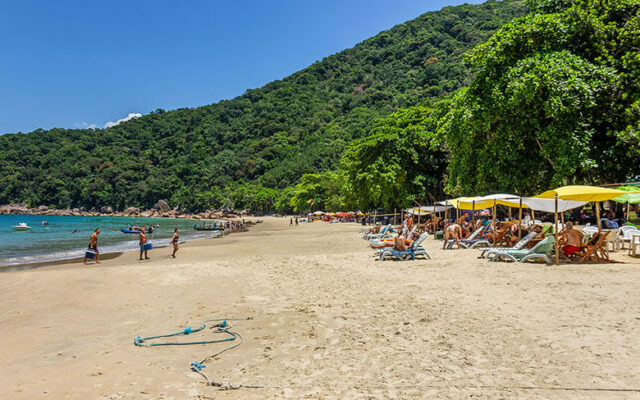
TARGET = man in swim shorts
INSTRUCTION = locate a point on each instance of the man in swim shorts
(93, 245)
(573, 240)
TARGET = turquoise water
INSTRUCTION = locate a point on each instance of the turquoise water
(57, 241)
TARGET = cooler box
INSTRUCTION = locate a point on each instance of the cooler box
(90, 253)
(148, 246)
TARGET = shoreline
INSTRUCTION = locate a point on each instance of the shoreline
(109, 250)
(112, 255)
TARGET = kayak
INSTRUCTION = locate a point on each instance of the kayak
(129, 231)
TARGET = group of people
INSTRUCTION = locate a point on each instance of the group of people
(149, 228)
(143, 242)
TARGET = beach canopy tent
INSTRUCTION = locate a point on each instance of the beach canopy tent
(582, 193)
(480, 203)
(424, 210)
(545, 205)
(318, 212)
(632, 196)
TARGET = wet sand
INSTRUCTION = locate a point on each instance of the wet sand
(329, 321)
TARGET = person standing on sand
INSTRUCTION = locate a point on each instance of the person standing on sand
(143, 242)
(174, 241)
(296, 221)
(93, 245)
(291, 222)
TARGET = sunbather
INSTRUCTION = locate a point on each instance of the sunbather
(572, 240)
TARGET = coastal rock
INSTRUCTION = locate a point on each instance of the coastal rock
(42, 208)
(162, 206)
(146, 213)
(17, 208)
(131, 211)
(106, 210)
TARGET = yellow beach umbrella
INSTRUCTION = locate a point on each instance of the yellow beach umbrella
(582, 193)
(579, 193)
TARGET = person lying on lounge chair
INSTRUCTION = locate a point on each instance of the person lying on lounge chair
(400, 243)
(572, 240)
(452, 231)
(380, 244)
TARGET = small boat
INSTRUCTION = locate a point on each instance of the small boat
(205, 228)
(129, 230)
(21, 227)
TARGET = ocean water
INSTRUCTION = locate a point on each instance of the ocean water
(56, 241)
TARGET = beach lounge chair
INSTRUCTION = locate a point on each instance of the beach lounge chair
(487, 251)
(500, 234)
(414, 250)
(471, 238)
(385, 231)
(595, 249)
(471, 241)
(541, 250)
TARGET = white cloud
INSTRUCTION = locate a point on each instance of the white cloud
(85, 125)
(125, 119)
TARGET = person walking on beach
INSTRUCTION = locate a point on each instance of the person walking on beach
(143, 243)
(93, 245)
(296, 221)
(174, 241)
(291, 222)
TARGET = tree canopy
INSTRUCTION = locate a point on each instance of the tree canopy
(230, 152)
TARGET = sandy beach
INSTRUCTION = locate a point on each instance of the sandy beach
(329, 321)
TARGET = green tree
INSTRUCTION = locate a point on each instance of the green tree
(396, 164)
(553, 101)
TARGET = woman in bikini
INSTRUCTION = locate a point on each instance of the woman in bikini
(174, 241)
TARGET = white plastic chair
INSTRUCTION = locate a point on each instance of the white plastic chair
(634, 244)
(626, 232)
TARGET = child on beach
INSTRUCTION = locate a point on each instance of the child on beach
(143, 243)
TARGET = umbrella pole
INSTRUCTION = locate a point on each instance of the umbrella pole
(394, 215)
(433, 222)
(628, 210)
(494, 223)
(446, 211)
(533, 215)
(556, 234)
(520, 219)
(473, 215)
(598, 214)
(510, 217)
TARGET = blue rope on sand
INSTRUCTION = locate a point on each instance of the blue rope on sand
(197, 366)
(222, 328)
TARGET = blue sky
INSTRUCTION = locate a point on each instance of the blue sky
(79, 63)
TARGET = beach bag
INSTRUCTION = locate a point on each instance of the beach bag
(148, 246)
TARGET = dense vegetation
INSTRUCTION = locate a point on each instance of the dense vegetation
(252, 151)
(438, 105)
(555, 100)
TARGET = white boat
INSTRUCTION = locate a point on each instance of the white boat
(21, 227)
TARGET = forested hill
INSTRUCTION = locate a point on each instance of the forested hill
(242, 152)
